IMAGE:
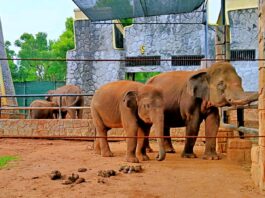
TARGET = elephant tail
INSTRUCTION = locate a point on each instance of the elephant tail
(77, 100)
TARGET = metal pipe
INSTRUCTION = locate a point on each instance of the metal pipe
(42, 108)
(117, 60)
(124, 137)
(241, 129)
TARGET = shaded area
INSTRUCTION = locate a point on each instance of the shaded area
(99, 10)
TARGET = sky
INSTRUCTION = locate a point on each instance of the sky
(33, 16)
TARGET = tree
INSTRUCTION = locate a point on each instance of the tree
(40, 48)
(32, 47)
(59, 48)
(13, 67)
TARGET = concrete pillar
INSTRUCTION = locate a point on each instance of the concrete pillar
(258, 152)
(222, 42)
(6, 82)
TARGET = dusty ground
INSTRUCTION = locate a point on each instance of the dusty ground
(174, 177)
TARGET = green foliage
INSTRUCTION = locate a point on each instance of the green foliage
(11, 54)
(5, 159)
(143, 76)
(59, 49)
(37, 46)
(126, 22)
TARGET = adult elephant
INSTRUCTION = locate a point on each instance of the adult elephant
(68, 101)
(43, 113)
(193, 96)
(133, 106)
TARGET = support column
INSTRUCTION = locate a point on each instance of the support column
(258, 152)
(222, 42)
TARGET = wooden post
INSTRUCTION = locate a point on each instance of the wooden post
(258, 152)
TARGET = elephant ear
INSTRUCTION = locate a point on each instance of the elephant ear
(48, 98)
(198, 86)
(130, 99)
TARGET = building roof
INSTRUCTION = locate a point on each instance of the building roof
(100, 10)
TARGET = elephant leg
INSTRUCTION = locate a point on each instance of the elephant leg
(97, 146)
(142, 142)
(212, 122)
(79, 113)
(192, 129)
(147, 146)
(104, 145)
(168, 143)
(72, 113)
(130, 126)
(101, 144)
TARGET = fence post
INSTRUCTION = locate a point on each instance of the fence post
(60, 109)
(0, 106)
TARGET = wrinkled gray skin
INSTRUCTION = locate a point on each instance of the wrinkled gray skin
(40, 113)
(133, 106)
(68, 101)
(193, 96)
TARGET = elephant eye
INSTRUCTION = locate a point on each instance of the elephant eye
(221, 86)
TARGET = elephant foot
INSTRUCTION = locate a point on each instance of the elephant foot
(188, 155)
(143, 157)
(170, 150)
(97, 151)
(107, 154)
(149, 150)
(211, 156)
(132, 159)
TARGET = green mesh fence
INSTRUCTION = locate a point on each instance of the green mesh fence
(98, 10)
(22, 88)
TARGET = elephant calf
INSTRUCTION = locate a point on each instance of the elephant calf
(133, 106)
(43, 113)
(68, 100)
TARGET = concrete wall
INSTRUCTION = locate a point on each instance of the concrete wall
(167, 40)
(244, 35)
(258, 151)
(93, 42)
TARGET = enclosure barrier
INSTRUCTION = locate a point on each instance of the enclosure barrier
(60, 107)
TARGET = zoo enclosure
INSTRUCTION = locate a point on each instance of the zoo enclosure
(60, 107)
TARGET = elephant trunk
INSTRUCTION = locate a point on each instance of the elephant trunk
(244, 98)
(159, 132)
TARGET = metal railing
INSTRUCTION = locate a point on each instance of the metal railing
(60, 107)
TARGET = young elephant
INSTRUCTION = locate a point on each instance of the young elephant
(68, 100)
(43, 113)
(133, 106)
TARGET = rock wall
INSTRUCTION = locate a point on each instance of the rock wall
(258, 151)
(244, 35)
(167, 40)
(93, 42)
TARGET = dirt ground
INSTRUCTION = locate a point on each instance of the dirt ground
(174, 177)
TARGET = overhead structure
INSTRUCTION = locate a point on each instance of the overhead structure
(100, 10)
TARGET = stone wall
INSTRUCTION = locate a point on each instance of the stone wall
(244, 35)
(93, 42)
(258, 151)
(167, 40)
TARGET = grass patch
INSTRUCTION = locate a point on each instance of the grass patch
(5, 159)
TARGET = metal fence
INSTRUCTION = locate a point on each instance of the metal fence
(34, 87)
